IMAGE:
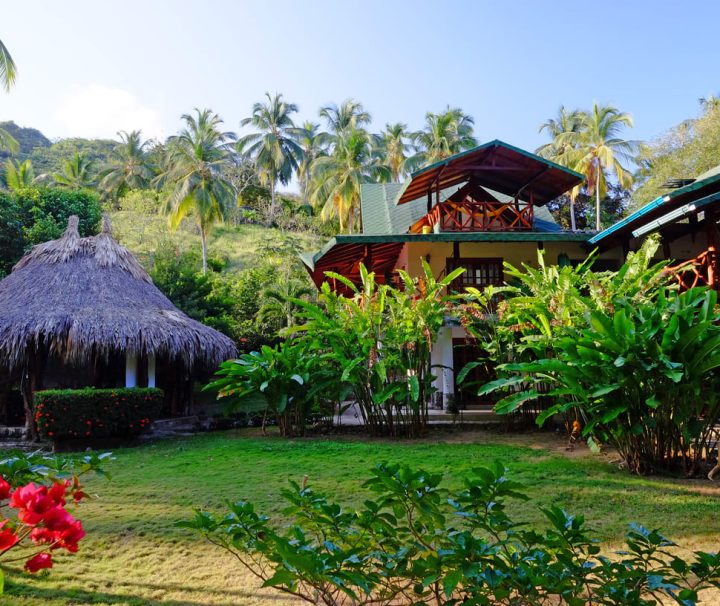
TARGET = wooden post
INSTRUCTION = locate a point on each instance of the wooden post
(711, 231)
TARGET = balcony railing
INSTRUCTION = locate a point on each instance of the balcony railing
(700, 271)
(470, 215)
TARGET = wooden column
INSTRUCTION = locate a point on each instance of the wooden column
(711, 232)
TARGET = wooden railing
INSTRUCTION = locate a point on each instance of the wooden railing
(700, 271)
(480, 216)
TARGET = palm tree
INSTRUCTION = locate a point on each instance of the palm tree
(443, 135)
(338, 176)
(598, 150)
(75, 173)
(197, 159)
(279, 300)
(272, 148)
(560, 150)
(130, 168)
(8, 71)
(392, 147)
(19, 176)
(350, 115)
(313, 143)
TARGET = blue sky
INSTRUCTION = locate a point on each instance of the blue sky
(91, 68)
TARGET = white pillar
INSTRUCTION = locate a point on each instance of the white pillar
(151, 370)
(131, 363)
(436, 361)
(445, 343)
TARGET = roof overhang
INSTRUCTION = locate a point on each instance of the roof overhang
(498, 166)
(671, 207)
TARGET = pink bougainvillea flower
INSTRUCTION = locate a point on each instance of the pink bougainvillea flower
(7, 539)
(38, 562)
(4, 489)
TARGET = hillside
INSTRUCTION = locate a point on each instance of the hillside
(241, 246)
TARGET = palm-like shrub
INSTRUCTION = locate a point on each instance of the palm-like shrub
(379, 340)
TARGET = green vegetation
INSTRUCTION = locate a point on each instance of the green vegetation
(134, 555)
(69, 414)
(622, 352)
(416, 542)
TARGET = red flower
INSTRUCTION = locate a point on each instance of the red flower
(38, 562)
(35, 501)
(7, 539)
(4, 489)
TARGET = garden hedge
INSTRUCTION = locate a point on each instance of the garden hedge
(67, 414)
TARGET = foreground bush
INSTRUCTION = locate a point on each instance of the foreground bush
(66, 414)
(36, 522)
(414, 542)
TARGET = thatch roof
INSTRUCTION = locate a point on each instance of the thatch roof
(76, 296)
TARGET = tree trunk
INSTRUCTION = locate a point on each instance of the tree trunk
(272, 200)
(203, 237)
(573, 225)
(597, 200)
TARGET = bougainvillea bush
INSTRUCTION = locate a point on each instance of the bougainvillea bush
(415, 542)
(35, 492)
(68, 414)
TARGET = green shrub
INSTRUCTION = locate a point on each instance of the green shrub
(412, 541)
(66, 414)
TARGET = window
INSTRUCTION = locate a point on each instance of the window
(478, 272)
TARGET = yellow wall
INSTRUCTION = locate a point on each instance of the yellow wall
(515, 253)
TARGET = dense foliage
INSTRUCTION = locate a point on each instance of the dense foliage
(293, 382)
(414, 542)
(33, 215)
(622, 352)
(69, 414)
(379, 339)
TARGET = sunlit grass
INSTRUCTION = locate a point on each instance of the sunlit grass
(135, 555)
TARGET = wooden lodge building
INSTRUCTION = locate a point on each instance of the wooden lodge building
(487, 205)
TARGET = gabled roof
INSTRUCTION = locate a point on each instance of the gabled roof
(381, 216)
(704, 185)
(498, 166)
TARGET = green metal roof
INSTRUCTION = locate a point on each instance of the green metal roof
(635, 220)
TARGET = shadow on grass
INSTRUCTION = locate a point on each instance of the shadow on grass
(78, 595)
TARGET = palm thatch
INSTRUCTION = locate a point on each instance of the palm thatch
(81, 297)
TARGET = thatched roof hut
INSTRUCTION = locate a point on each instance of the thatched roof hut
(78, 300)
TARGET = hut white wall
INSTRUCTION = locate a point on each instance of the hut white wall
(441, 358)
(131, 365)
(151, 371)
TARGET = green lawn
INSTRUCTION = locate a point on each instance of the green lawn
(134, 555)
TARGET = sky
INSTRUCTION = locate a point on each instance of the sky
(91, 68)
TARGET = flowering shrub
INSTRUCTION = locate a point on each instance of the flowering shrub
(66, 414)
(41, 524)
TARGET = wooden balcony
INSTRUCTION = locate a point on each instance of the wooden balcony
(700, 271)
(471, 215)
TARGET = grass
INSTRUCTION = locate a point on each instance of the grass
(242, 246)
(134, 555)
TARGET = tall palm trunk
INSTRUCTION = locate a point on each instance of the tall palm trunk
(272, 198)
(573, 225)
(597, 201)
(203, 238)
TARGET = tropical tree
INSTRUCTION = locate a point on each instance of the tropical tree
(349, 115)
(337, 177)
(130, 167)
(273, 148)
(314, 144)
(8, 71)
(280, 300)
(443, 135)
(559, 149)
(75, 173)
(19, 175)
(196, 161)
(598, 150)
(392, 148)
